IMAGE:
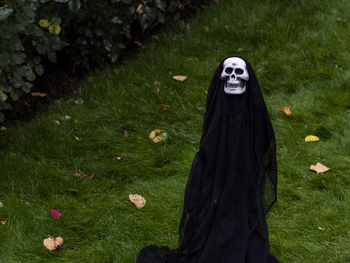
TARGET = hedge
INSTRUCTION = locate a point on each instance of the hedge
(88, 32)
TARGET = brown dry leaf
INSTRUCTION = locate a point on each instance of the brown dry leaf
(155, 37)
(49, 243)
(38, 94)
(58, 241)
(286, 110)
(137, 200)
(319, 168)
(2, 128)
(3, 222)
(165, 107)
(92, 175)
(80, 175)
(176, 37)
(180, 78)
(126, 133)
(142, 100)
(264, 63)
(139, 9)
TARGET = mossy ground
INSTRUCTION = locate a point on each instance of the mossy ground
(300, 51)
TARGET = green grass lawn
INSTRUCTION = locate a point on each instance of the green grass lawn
(300, 51)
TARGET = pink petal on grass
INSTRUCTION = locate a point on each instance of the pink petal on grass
(55, 214)
(119, 158)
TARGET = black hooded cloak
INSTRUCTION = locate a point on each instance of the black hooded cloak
(232, 183)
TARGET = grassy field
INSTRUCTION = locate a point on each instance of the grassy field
(300, 51)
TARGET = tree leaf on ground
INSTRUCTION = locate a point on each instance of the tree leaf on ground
(311, 138)
(38, 94)
(67, 117)
(78, 101)
(180, 78)
(3, 222)
(319, 168)
(165, 107)
(92, 176)
(126, 133)
(286, 110)
(59, 241)
(157, 135)
(2, 128)
(80, 175)
(77, 138)
(49, 243)
(1, 204)
(137, 200)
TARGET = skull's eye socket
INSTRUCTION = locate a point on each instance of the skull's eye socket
(228, 70)
(239, 71)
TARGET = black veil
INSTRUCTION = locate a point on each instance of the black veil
(232, 183)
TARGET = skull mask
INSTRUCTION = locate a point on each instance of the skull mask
(235, 75)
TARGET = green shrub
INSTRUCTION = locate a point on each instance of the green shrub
(87, 32)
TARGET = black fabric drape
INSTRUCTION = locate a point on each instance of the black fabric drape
(232, 184)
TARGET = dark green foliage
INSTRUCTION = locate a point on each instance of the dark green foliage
(88, 32)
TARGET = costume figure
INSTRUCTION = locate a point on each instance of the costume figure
(233, 179)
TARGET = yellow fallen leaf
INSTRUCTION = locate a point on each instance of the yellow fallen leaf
(38, 94)
(319, 168)
(49, 243)
(137, 200)
(157, 135)
(286, 110)
(180, 78)
(311, 138)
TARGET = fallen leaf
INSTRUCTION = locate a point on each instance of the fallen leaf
(142, 100)
(78, 101)
(49, 243)
(38, 94)
(92, 176)
(55, 213)
(126, 133)
(80, 175)
(13, 155)
(157, 135)
(57, 122)
(319, 168)
(176, 37)
(311, 138)
(165, 107)
(286, 110)
(259, 70)
(1, 204)
(137, 200)
(67, 117)
(320, 228)
(188, 26)
(58, 241)
(76, 121)
(2, 128)
(3, 222)
(77, 138)
(180, 78)
(139, 9)
(138, 43)
(264, 63)
(240, 49)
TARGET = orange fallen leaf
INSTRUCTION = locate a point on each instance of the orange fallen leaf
(38, 94)
(80, 175)
(126, 133)
(286, 110)
(165, 107)
(49, 243)
(58, 241)
(3, 222)
(137, 200)
(319, 168)
(92, 175)
(180, 78)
